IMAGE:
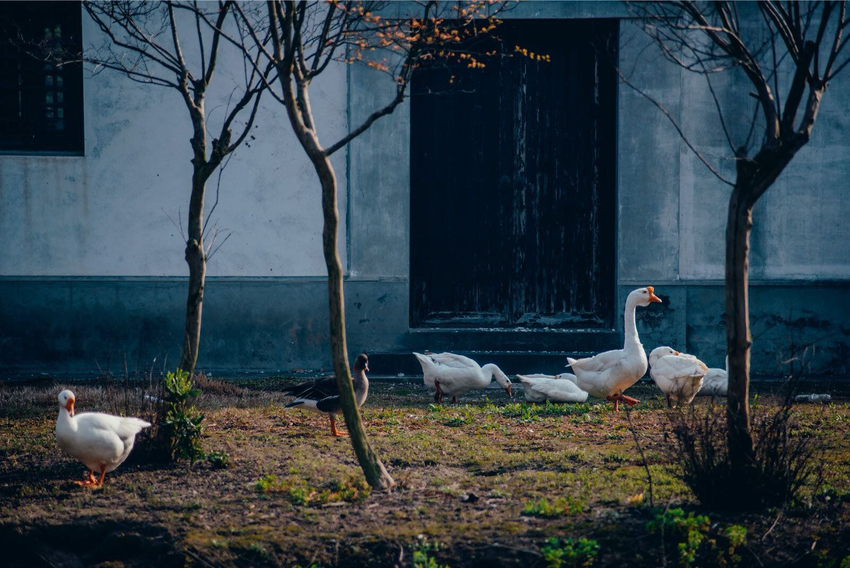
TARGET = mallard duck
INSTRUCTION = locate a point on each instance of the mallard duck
(608, 374)
(557, 388)
(322, 395)
(100, 441)
(715, 382)
(677, 374)
(448, 373)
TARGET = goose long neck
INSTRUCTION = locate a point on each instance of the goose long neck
(66, 420)
(488, 371)
(361, 385)
(629, 327)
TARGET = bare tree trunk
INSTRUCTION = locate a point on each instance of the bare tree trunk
(738, 339)
(196, 259)
(195, 254)
(373, 469)
(754, 178)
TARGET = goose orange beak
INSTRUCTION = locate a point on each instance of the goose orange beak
(652, 296)
(508, 388)
(69, 406)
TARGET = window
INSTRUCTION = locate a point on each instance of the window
(41, 103)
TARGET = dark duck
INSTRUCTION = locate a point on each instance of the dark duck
(322, 395)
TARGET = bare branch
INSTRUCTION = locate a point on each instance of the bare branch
(675, 124)
(388, 109)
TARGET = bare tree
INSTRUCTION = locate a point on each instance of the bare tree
(306, 38)
(807, 40)
(142, 40)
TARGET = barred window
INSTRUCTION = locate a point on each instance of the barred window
(41, 103)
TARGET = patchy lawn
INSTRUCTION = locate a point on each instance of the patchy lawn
(484, 483)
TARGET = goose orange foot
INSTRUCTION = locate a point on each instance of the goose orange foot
(89, 481)
(616, 398)
(334, 432)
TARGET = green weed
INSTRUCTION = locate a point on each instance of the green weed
(570, 553)
(559, 507)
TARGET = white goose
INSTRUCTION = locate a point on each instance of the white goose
(100, 441)
(608, 374)
(677, 374)
(715, 382)
(448, 373)
(557, 388)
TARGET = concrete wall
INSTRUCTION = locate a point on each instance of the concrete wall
(107, 213)
(92, 270)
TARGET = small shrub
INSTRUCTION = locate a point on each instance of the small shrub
(182, 425)
(218, 460)
(570, 553)
(783, 462)
(688, 531)
(422, 554)
(694, 543)
(557, 508)
(737, 537)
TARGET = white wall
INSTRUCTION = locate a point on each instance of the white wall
(102, 214)
(673, 210)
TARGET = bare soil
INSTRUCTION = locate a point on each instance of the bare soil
(467, 476)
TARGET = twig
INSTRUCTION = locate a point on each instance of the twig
(173, 222)
(770, 530)
(642, 455)
(675, 124)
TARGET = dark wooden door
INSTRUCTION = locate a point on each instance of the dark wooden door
(513, 182)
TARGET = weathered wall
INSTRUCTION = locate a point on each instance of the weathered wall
(92, 269)
(673, 218)
(107, 213)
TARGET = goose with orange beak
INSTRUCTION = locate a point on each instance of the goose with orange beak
(100, 441)
(608, 374)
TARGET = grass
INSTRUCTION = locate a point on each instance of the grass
(493, 481)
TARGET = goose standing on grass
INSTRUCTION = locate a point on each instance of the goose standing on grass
(322, 395)
(557, 388)
(715, 382)
(677, 374)
(100, 441)
(454, 375)
(608, 374)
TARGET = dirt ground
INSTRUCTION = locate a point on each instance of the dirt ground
(470, 480)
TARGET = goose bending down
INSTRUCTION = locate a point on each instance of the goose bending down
(322, 395)
(100, 441)
(715, 382)
(608, 374)
(677, 374)
(557, 388)
(454, 375)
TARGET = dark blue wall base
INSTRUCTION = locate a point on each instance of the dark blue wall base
(98, 325)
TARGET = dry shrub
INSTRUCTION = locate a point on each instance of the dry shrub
(783, 463)
(216, 387)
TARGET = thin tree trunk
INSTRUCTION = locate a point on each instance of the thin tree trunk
(738, 339)
(754, 178)
(196, 259)
(195, 255)
(373, 469)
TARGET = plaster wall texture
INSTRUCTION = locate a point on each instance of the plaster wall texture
(112, 212)
(92, 270)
